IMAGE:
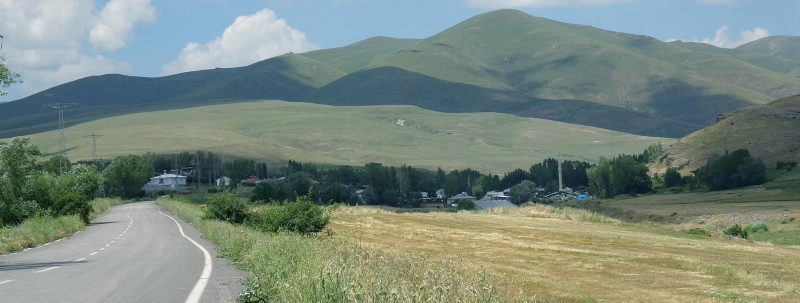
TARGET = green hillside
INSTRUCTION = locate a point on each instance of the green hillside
(770, 132)
(395, 86)
(781, 46)
(275, 131)
(510, 62)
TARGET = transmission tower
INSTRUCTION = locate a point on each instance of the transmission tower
(94, 147)
(63, 142)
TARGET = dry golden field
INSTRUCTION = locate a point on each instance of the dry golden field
(574, 255)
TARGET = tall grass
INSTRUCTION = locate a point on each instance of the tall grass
(43, 229)
(289, 267)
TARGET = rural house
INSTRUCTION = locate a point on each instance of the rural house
(166, 182)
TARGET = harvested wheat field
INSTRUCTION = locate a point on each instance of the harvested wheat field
(574, 255)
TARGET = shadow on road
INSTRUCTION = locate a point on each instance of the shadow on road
(34, 265)
(100, 223)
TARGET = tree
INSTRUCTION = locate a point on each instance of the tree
(126, 176)
(53, 165)
(672, 178)
(479, 187)
(338, 193)
(523, 192)
(732, 170)
(18, 159)
(7, 77)
(465, 204)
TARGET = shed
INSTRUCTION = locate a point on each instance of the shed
(224, 181)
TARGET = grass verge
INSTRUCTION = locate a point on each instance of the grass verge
(287, 267)
(43, 229)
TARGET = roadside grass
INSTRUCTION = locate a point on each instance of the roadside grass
(287, 267)
(43, 229)
(575, 255)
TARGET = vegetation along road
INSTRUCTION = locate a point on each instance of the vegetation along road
(132, 253)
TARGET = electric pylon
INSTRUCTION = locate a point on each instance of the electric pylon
(94, 147)
(63, 142)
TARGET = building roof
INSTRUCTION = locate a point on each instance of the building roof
(493, 204)
(165, 176)
(462, 196)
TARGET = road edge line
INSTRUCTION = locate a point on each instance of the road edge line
(198, 289)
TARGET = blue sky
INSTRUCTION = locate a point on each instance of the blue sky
(51, 42)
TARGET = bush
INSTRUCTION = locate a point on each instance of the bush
(732, 170)
(73, 204)
(736, 231)
(227, 207)
(465, 204)
(302, 216)
(756, 227)
(788, 165)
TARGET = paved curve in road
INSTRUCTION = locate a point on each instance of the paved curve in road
(131, 253)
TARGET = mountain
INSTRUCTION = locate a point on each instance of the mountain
(780, 46)
(503, 61)
(275, 131)
(770, 131)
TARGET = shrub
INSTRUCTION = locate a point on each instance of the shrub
(788, 165)
(465, 204)
(756, 227)
(736, 231)
(73, 204)
(302, 216)
(732, 170)
(672, 178)
(227, 207)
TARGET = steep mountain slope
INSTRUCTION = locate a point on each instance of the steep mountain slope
(781, 46)
(770, 131)
(276, 131)
(395, 86)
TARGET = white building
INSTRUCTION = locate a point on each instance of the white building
(166, 182)
(224, 181)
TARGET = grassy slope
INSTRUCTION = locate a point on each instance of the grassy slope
(769, 131)
(782, 46)
(575, 256)
(276, 131)
(766, 61)
(509, 49)
(395, 86)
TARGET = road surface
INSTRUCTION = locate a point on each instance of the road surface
(131, 253)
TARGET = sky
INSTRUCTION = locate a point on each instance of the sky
(51, 42)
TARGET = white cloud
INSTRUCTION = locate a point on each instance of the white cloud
(248, 40)
(43, 39)
(536, 3)
(721, 38)
(116, 20)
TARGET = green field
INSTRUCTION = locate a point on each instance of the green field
(274, 131)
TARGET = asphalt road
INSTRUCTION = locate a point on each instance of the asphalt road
(131, 253)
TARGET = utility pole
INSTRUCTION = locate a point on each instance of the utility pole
(94, 148)
(560, 183)
(60, 106)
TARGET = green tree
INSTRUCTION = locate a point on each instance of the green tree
(672, 178)
(465, 204)
(7, 77)
(732, 170)
(479, 187)
(523, 192)
(18, 159)
(53, 165)
(126, 176)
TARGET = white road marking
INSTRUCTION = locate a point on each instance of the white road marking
(44, 270)
(46, 244)
(102, 248)
(6, 281)
(197, 291)
(117, 238)
(59, 239)
(92, 254)
(81, 259)
(107, 245)
(121, 235)
(113, 241)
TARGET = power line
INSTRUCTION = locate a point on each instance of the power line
(94, 147)
(63, 142)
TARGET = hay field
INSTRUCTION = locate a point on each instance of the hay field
(573, 255)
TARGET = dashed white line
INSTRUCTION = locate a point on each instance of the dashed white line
(6, 281)
(117, 238)
(121, 235)
(102, 248)
(107, 245)
(81, 259)
(44, 270)
(92, 254)
(112, 241)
